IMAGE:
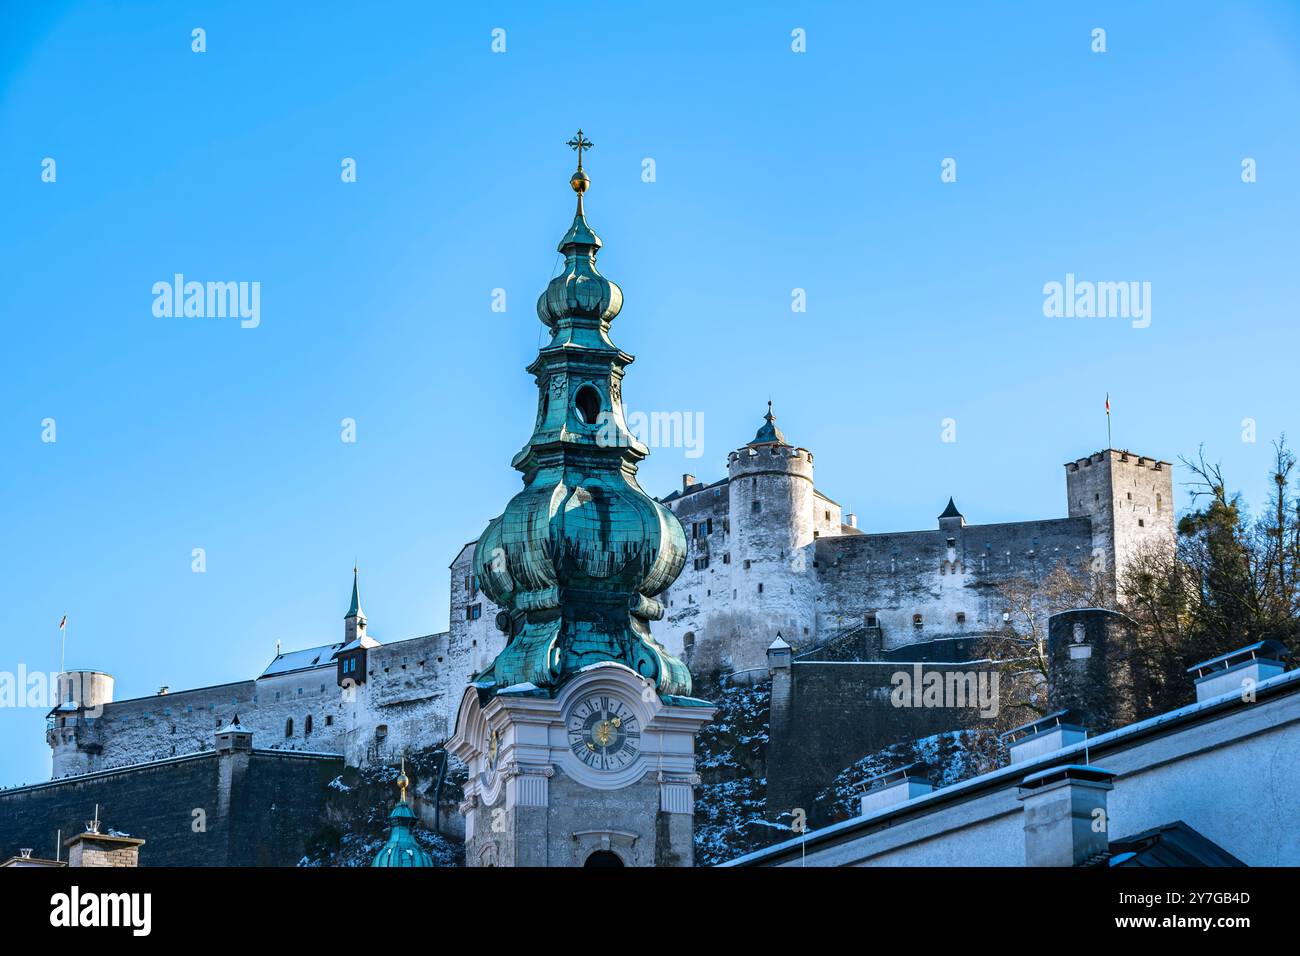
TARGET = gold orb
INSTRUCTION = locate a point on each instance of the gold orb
(579, 181)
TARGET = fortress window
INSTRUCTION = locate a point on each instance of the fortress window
(381, 732)
(726, 557)
(307, 726)
(1157, 502)
(473, 612)
(708, 526)
(747, 563)
(218, 723)
(588, 404)
(760, 587)
(1141, 523)
(288, 727)
(828, 516)
(756, 506)
(688, 642)
(961, 617)
(916, 621)
(1130, 496)
(871, 619)
(329, 720)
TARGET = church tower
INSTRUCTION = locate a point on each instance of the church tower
(580, 736)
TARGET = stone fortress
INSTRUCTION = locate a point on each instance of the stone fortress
(769, 555)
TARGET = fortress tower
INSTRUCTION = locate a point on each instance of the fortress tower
(774, 519)
(72, 727)
(1130, 500)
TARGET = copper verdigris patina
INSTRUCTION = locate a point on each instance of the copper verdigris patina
(578, 557)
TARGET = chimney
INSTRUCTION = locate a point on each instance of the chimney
(1065, 815)
(852, 520)
(94, 848)
(1238, 671)
(896, 786)
(1045, 735)
(687, 481)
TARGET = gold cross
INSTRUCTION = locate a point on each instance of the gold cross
(579, 143)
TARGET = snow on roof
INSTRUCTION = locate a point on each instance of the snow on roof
(301, 660)
(366, 641)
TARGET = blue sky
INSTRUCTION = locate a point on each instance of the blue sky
(774, 171)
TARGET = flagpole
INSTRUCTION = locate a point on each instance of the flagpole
(1109, 442)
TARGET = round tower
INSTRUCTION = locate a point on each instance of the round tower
(73, 728)
(772, 529)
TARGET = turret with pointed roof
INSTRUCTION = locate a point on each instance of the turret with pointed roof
(354, 622)
(951, 518)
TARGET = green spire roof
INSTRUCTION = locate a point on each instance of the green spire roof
(354, 610)
(402, 848)
(768, 433)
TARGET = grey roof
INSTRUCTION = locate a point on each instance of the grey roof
(302, 660)
(1172, 844)
(951, 511)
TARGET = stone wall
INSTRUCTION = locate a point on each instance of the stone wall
(949, 578)
(825, 715)
(237, 809)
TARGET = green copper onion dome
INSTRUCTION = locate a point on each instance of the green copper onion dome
(578, 556)
(401, 848)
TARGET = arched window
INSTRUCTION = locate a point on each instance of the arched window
(688, 642)
(603, 858)
(288, 727)
(588, 403)
(307, 727)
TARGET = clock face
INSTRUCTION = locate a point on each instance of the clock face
(603, 732)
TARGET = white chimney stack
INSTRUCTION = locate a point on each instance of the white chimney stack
(896, 786)
(1065, 815)
(1045, 735)
(1238, 671)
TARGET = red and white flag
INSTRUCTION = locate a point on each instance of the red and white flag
(1108, 403)
(63, 622)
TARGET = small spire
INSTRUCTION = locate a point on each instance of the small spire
(403, 782)
(769, 434)
(354, 610)
(951, 511)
